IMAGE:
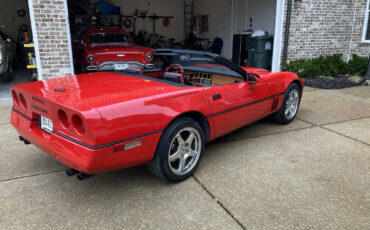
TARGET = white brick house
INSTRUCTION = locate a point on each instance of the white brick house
(317, 27)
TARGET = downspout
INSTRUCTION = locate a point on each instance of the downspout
(287, 26)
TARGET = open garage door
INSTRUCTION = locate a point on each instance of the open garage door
(208, 25)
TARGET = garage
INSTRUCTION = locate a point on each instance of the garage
(50, 33)
(220, 26)
(17, 58)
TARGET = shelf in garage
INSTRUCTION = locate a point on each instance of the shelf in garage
(29, 45)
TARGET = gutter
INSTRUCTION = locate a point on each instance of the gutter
(287, 27)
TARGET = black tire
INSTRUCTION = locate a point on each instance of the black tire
(168, 145)
(280, 116)
(8, 75)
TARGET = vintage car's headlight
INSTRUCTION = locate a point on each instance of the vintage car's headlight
(148, 57)
(91, 58)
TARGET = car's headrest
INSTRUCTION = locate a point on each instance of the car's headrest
(175, 77)
(134, 70)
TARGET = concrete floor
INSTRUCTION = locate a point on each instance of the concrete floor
(311, 174)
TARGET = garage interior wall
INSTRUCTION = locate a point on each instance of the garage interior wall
(173, 8)
(262, 13)
(9, 20)
(220, 21)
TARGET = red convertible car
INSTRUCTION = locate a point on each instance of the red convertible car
(110, 49)
(98, 122)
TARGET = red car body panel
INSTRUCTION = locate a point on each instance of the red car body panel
(120, 109)
(109, 52)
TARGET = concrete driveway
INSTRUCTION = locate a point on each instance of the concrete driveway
(311, 174)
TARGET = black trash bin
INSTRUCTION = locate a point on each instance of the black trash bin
(259, 51)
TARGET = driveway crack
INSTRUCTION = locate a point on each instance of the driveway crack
(219, 203)
(32, 175)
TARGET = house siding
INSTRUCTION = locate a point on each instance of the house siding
(322, 27)
(51, 26)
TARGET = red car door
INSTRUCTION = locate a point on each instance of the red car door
(236, 105)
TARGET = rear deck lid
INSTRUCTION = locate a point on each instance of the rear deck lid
(86, 91)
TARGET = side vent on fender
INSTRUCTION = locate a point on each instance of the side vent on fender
(274, 104)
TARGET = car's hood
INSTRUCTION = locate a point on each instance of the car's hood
(93, 90)
(119, 48)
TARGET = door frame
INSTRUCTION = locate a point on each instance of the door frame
(278, 38)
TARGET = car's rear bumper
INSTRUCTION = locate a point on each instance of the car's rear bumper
(109, 66)
(88, 160)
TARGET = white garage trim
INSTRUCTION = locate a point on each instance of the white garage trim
(35, 40)
(69, 37)
(278, 38)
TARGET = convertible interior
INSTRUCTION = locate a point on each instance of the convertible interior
(192, 76)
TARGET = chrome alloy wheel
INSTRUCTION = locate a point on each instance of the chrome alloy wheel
(291, 105)
(184, 151)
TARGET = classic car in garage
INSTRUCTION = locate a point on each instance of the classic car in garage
(110, 49)
(7, 56)
(103, 121)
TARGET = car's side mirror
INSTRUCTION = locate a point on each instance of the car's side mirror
(251, 78)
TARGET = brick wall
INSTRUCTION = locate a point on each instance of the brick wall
(51, 27)
(321, 27)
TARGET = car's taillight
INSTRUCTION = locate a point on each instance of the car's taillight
(91, 58)
(63, 118)
(23, 101)
(149, 57)
(15, 97)
(78, 124)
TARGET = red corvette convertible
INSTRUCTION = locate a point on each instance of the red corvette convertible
(162, 117)
(110, 49)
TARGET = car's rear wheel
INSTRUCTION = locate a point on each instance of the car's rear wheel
(179, 150)
(290, 106)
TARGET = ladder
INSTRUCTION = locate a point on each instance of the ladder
(188, 17)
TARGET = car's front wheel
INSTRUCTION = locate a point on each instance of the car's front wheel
(289, 108)
(179, 150)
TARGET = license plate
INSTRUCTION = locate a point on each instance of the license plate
(46, 124)
(120, 66)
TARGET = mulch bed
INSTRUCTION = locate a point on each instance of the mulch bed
(338, 82)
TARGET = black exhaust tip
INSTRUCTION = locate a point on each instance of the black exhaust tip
(83, 176)
(72, 172)
(24, 140)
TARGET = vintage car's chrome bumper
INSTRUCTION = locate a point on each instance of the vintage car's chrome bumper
(108, 66)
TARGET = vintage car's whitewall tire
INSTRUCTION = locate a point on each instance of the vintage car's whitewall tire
(290, 106)
(179, 150)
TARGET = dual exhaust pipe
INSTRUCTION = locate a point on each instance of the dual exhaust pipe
(80, 175)
(24, 140)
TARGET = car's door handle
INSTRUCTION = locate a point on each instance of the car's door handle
(216, 96)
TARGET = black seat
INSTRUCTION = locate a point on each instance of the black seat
(175, 77)
(134, 70)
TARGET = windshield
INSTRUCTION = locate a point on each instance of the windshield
(118, 38)
(194, 61)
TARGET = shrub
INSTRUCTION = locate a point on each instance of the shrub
(357, 65)
(331, 65)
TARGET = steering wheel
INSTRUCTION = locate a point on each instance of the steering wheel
(175, 65)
